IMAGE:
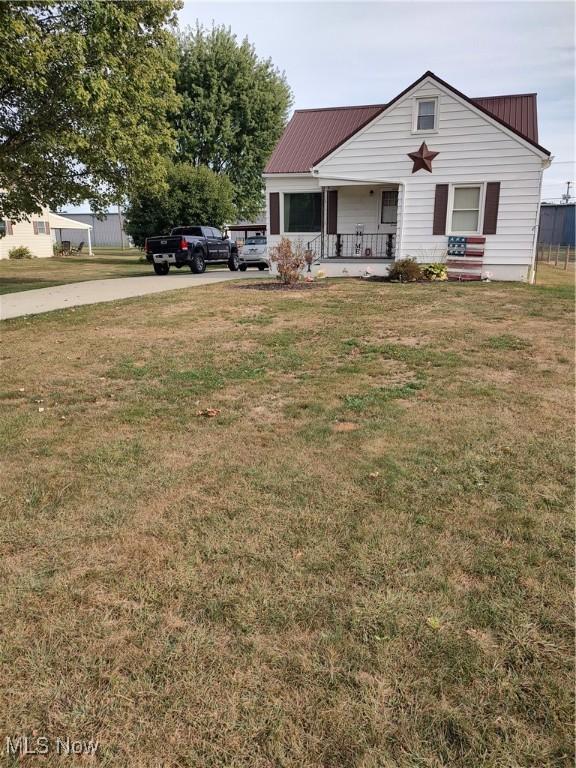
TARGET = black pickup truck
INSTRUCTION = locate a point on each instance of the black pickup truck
(194, 247)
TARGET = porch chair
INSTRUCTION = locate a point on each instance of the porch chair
(78, 250)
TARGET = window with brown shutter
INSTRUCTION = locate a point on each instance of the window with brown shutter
(491, 207)
(332, 217)
(35, 227)
(440, 209)
(274, 204)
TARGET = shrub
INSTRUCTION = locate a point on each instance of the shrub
(435, 271)
(405, 270)
(20, 252)
(289, 259)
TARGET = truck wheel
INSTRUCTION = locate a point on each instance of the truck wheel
(261, 267)
(233, 262)
(161, 269)
(198, 264)
(243, 267)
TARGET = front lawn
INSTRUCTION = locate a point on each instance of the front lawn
(44, 273)
(364, 559)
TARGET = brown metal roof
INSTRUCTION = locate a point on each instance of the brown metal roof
(312, 134)
(518, 111)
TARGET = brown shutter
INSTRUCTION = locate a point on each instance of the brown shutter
(332, 215)
(491, 207)
(47, 227)
(440, 209)
(9, 230)
(35, 226)
(274, 203)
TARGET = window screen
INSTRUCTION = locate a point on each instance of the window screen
(302, 211)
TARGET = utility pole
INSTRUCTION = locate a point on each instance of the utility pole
(566, 197)
(121, 226)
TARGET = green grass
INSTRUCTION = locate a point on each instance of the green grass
(44, 273)
(364, 559)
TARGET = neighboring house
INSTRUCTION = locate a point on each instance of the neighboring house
(35, 234)
(108, 232)
(38, 234)
(557, 224)
(362, 186)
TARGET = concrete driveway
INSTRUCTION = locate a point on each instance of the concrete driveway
(97, 291)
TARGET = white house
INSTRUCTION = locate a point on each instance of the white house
(362, 186)
(38, 234)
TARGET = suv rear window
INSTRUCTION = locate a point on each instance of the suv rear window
(255, 241)
(192, 231)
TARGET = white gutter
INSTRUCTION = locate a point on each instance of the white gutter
(316, 175)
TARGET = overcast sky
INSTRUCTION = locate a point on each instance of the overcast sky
(365, 53)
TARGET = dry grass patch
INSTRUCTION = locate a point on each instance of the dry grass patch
(364, 559)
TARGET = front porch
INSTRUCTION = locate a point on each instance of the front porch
(359, 223)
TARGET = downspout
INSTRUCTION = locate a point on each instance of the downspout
(400, 230)
(533, 265)
(322, 222)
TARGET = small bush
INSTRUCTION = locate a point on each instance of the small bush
(289, 258)
(435, 271)
(20, 252)
(405, 270)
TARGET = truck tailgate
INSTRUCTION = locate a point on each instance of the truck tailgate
(168, 244)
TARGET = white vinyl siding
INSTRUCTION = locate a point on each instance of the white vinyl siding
(472, 150)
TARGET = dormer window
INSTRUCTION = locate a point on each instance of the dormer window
(426, 114)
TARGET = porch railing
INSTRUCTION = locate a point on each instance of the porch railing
(352, 246)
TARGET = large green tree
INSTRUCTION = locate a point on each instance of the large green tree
(85, 88)
(234, 108)
(193, 196)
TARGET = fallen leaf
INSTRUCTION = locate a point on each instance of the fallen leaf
(433, 622)
(40, 410)
(374, 474)
(209, 412)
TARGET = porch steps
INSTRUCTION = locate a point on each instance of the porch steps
(465, 262)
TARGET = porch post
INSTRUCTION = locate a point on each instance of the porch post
(89, 243)
(322, 221)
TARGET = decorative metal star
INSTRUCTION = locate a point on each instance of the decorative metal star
(423, 158)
